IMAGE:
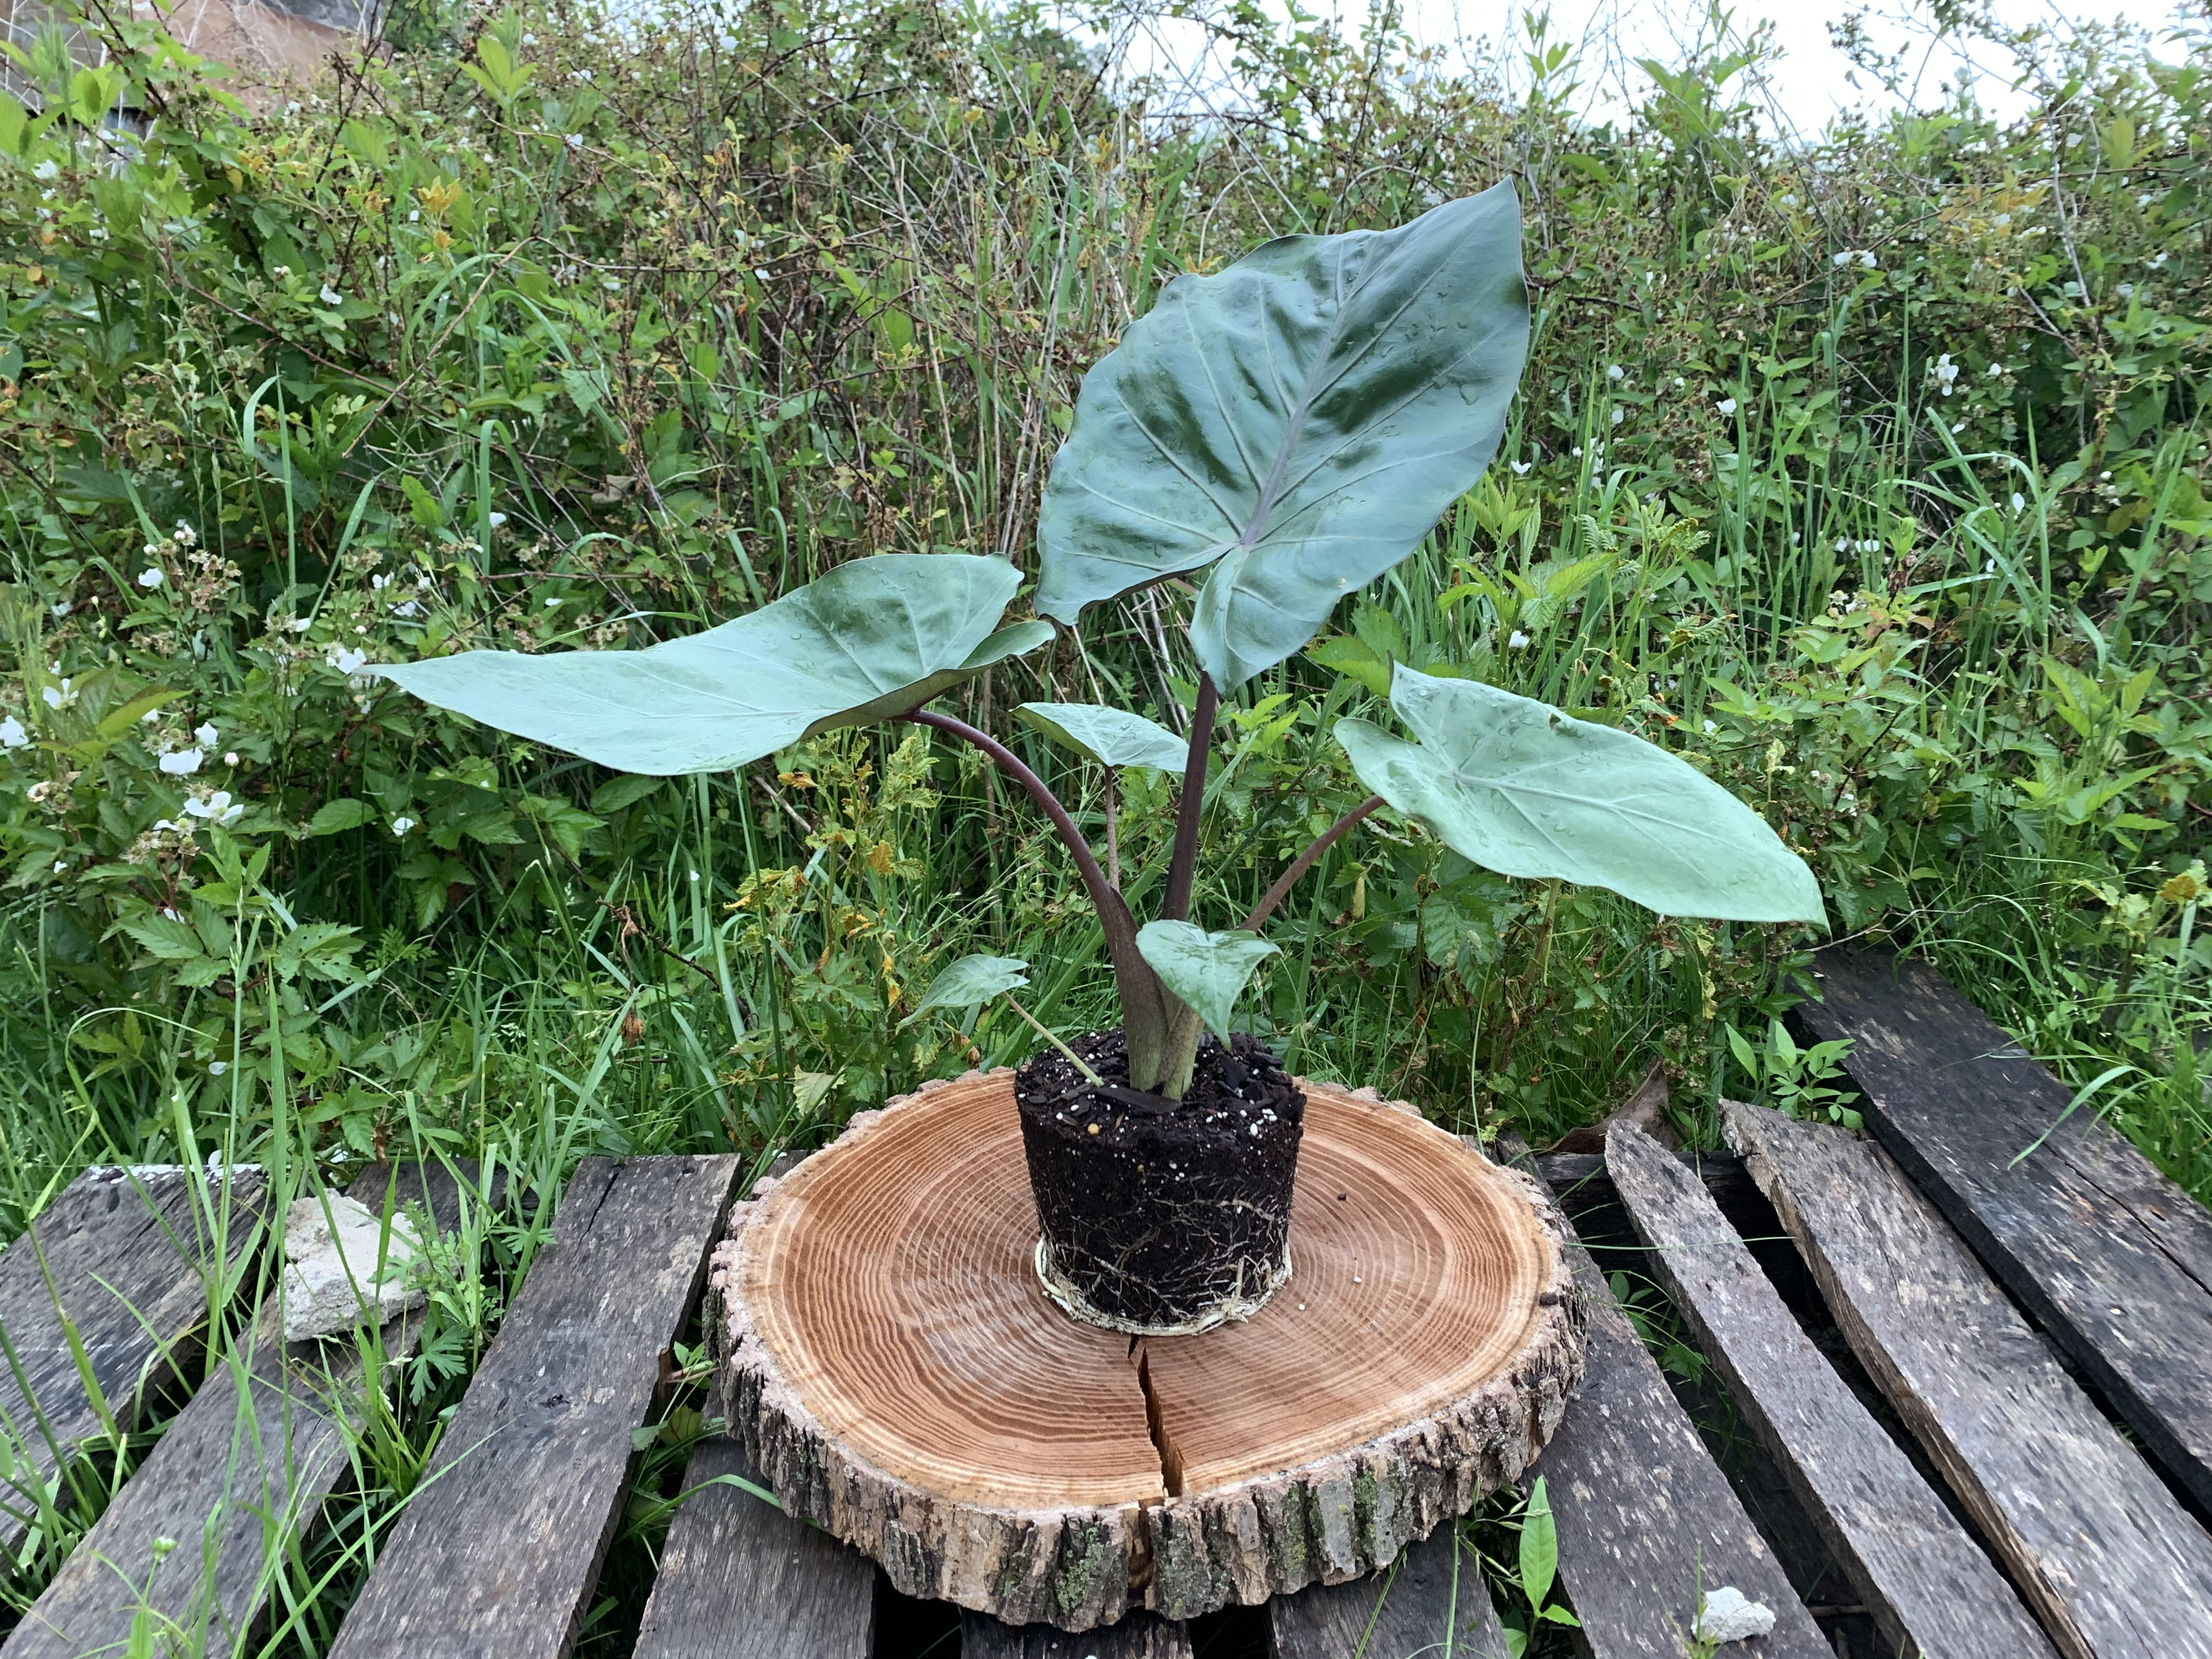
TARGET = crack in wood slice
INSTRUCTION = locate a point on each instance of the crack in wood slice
(891, 1368)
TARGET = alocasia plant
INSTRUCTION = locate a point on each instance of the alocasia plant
(1292, 427)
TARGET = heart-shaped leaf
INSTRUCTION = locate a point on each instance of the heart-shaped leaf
(970, 981)
(1208, 971)
(1112, 737)
(1525, 790)
(1305, 417)
(867, 641)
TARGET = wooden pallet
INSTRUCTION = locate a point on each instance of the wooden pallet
(1950, 1419)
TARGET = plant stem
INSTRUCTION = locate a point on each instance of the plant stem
(1144, 1012)
(1182, 866)
(1037, 1025)
(1304, 861)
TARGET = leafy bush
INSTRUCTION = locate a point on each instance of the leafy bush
(1868, 476)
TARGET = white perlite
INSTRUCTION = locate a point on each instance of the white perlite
(329, 1275)
(1730, 1616)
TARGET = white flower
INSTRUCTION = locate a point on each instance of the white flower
(1840, 260)
(2143, 200)
(1615, 372)
(183, 535)
(300, 624)
(331, 296)
(150, 578)
(1710, 728)
(149, 717)
(60, 607)
(377, 583)
(1520, 468)
(497, 519)
(206, 733)
(12, 734)
(347, 660)
(217, 808)
(552, 604)
(2019, 502)
(1517, 641)
(573, 140)
(402, 824)
(406, 608)
(1989, 570)
(230, 757)
(1617, 417)
(60, 696)
(217, 1067)
(1679, 383)
(60, 864)
(1944, 372)
(414, 214)
(2126, 290)
(45, 171)
(181, 763)
(1996, 369)
(1727, 406)
(1867, 260)
(281, 272)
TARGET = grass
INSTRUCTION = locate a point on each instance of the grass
(1911, 554)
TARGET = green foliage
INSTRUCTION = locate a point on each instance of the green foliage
(1112, 737)
(688, 321)
(1537, 1566)
(1207, 971)
(1298, 423)
(1521, 788)
(863, 642)
(971, 981)
(1803, 1082)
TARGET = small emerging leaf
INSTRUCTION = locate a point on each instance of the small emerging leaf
(1112, 737)
(970, 981)
(1540, 1548)
(867, 642)
(1524, 790)
(1208, 971)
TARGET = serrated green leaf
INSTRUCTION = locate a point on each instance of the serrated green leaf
(169, 941)
(1112, 737)
(1350, 655)
(334, 816)
(1208, 971)
(1527, 791)
(970, 981)
(1304, 418)
(869, 641)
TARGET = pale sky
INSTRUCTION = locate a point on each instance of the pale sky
(1807, 83)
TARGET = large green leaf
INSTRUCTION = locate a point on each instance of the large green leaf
(1112, 737)
(1208, 971)
(870, 640)
(1518, 787)
(970, 981)
(1305, 417)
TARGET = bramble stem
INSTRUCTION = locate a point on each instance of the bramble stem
(1182, 866)
(1143, 1012)
(1304, 861)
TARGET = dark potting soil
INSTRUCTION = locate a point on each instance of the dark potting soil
(1158, 1211)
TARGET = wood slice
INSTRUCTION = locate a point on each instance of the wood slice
(891, 1366)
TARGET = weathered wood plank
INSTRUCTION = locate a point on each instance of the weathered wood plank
(129, 1257)
(1928, 1586)
(227, 1480)
(2099, 1548)
(1646, 1519)
(2110, 1256)
(740, 1579)
(498, 1551)
(1430, 1602)
(1138, 1635)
